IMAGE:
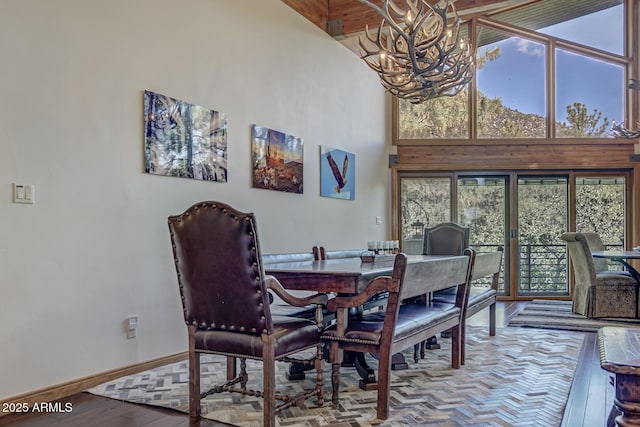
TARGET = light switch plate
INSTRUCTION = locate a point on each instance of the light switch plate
(23, 193)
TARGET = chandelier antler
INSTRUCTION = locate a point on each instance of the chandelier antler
(417, 51)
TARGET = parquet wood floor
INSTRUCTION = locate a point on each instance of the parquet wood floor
(589, 401)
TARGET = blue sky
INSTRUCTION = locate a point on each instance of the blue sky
(518, 76)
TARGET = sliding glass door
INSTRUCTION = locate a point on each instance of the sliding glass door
(600, 207)
(522, 212)
(542, 212)
(475, 201)
(481, 205)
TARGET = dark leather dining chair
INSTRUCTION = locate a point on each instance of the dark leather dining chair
(447, 238)
(225, 301)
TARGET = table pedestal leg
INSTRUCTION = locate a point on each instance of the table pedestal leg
(368, 375)
(627, 400)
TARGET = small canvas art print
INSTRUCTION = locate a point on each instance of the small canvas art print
(277, 160)
(183, 139)
(337, 173)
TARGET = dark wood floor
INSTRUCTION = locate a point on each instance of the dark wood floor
(589, 401)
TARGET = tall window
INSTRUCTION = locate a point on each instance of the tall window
(544, 70)
(589, 95)
(440, 118)
(511, 86)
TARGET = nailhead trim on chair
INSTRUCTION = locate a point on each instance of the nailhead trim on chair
(352, 340)
(254, 263)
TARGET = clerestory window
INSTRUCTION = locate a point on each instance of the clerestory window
(548, 69)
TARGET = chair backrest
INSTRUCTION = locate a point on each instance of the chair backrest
(595, 244)
(219, 267)
(445, 239)
(319, 253)
(268, 259)
(489, 264)
(425, 277)
(581, 259)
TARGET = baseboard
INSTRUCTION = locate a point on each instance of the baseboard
(63, 390)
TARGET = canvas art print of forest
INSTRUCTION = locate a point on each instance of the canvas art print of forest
(277, 160)
(183, 139)
(337, 173)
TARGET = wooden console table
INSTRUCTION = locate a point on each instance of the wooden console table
(620, 355)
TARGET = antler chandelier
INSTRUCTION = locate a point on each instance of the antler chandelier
(417, 51)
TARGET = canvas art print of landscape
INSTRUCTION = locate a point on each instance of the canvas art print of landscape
(183, 139)
(277, 160)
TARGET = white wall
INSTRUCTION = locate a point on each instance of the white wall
(94, 248)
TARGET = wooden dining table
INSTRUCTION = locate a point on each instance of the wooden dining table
(349, 276)
(343, 276)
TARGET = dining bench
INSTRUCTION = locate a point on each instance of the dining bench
(487, 265)
(406, 319)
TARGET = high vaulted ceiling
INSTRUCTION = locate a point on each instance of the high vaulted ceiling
(345, 18)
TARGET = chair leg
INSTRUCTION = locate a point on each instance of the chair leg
(384, 385)
(463, 340)
(335, 358)
(335, 384)
(456, 348)
(231, 368)
(492, 319)
(194, 380)
(319, 380)
(269, 380)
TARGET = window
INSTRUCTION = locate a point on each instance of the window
(608, 37)
(589, 95)
(547, 69)
(511, 86)
(440, 118)
(526, 213)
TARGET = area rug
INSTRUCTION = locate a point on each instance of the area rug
(558, 315)
(519, 377)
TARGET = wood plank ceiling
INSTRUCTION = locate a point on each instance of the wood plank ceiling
(347, 18)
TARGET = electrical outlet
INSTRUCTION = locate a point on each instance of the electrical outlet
(378, 220)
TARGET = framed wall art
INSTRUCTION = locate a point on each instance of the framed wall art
(277, 160)
(183, 139)
(337, 173)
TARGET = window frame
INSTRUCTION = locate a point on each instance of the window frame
(627, 62)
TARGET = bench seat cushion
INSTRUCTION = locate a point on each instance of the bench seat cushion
(412, 319)
(280, 308)
(477, 296)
